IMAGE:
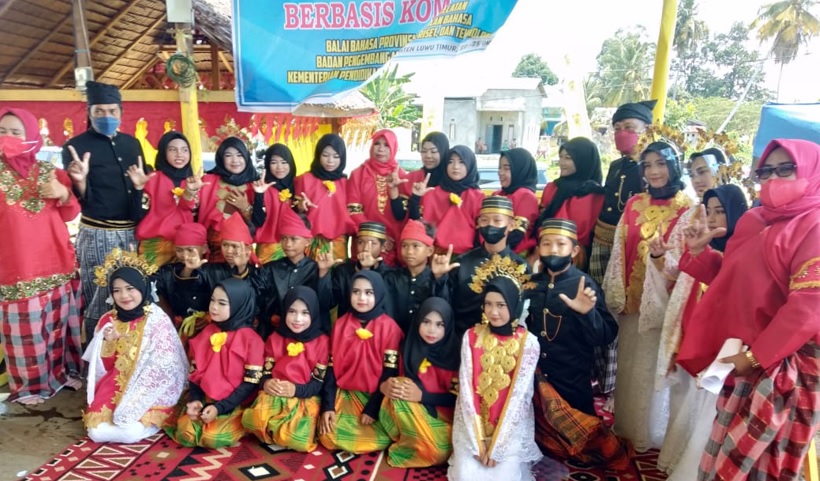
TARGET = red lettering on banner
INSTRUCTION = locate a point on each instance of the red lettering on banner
(421, 10)
(367, 15)
(306, 11)
(338, 10)
(322, 16)
(291, 16)
(389, 13)
(407, 11)
(352, 20)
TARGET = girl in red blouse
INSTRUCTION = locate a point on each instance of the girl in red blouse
(296, 356)
(365, 348)
(322, 194)
(272, 193)
(518, 176)
(168, 198)
(228, 188)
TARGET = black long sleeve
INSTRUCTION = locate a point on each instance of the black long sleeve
(259, 213)
(398, 209)
(310, 389)
(414, 207)
(444, 399)
(329, 391)
(235, 399)
(375, 403)
(195, 393)
(514, 238)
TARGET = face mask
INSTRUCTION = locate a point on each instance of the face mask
(556, 263)
(12, 147)
(625, 141)
(779, 192)
(492, 234)
(106, 125)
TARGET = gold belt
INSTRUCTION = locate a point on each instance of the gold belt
(605, 233)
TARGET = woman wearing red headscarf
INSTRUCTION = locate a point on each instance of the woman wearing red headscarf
(368, 190)
(39, 297)
(765, 291)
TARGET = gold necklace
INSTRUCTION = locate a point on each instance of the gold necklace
(544, 333)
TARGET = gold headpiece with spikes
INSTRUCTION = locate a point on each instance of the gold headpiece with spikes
(119, 258)
(660, 133)
(499, 266)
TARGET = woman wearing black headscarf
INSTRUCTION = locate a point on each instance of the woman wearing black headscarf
(577, 194)
(168, 199)
(518, 175)
(136, 363)
(434, 148)
(286, 411)
(365, 349)
(418, 411)
(272, 193)
(453, 206)
(494, 425)
(322, 195)
(228, 188)
(227, 358)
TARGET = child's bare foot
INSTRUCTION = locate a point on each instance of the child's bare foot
(32, 400)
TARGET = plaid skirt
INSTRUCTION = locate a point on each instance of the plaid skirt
(419, 439)
(766, 421)
(605, 357)
(226, 430)
(350, 434)
(287, 422)
(40, 336)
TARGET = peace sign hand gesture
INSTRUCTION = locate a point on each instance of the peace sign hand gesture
(697, 234)
(78, 168)
(137, 174)
(194, 183)
(441, 263)
(420, 188)
(585, 298)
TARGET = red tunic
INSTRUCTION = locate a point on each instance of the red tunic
(369, 189)
(220, 373)
(268, 233)
(330, 219)
(212, 209)
(406, 189)
(357, 363)
(34, 245)
(454, 224)
(497, 409)
(166, 211)
(584, 211)
(525, 206)
(296, 369)
(437, 380)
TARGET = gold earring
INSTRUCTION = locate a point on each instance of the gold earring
(484, 319)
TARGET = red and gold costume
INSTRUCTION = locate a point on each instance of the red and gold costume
(330, 220)
(213, 209)
(167, 210)
(455, 222)
(584, 211)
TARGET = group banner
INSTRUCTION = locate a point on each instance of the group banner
(288, 52)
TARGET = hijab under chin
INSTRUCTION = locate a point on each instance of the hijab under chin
(444, 353)
(308, 296)
(284, 152)
(442, 144)
(135, 279)
(734, 203)
(177, 175)
(512, 296)
(242, 304)
(670, 155)
(247, 175)
(523, 172)
(337, 144)
(379, 292)
(470, 181)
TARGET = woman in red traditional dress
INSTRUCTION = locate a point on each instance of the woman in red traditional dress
(273, 192)
(228, 188)
(168, 198)
(765, 290)
(365, 353)
(518, 175)
(641, 411)
(577, 194)
(39, 297)
(322, 194)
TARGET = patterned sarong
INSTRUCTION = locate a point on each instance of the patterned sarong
(419, 440)
(320, 245)
(268, 252)
(226, 430)
(564, 432)
(287, 422)
(350, 435)
(93, 244)
(40, 336)
(766, 421)
(606, 357)
(158, 251)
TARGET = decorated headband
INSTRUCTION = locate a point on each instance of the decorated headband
(499, 266)
(118, 258)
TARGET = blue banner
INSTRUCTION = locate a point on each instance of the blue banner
(289, 52)
(787, 121)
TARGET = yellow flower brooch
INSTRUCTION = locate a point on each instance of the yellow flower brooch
(178, 191)
(218, 340)
(295, 348)
(331, 187)
(455, 199)
(284, 195)
(424, 365)
(363, 334)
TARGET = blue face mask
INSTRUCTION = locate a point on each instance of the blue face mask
(106, 125)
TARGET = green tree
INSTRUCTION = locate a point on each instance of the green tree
(532, 66)
(790, 24)
(690, 35)
(395, 106)
(624, 72)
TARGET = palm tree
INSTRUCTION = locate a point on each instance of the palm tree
(791, 24)
(395, 106)
(624, 68)
(689, 34)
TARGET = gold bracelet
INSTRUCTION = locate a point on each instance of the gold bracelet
(752, 359)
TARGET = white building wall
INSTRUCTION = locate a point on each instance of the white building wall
(460, 121)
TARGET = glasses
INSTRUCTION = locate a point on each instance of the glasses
(782, 170)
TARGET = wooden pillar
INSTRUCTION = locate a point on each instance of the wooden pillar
(215, 72)
(189, 108)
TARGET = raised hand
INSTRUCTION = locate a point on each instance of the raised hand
(305, 203)
(657, 246)
(260, 186)
(137, 175)
(78, 168)
(194, 183)
(420, 188)
(394, 181)
(192, 263)
(238, 199)
(325, 262)
(53, 189)
(697, 234)
(585, 298)
(366, 259)
(441, 263)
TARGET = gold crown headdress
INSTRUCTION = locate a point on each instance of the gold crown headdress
(660, 133)
(499, 266)
(118, 258)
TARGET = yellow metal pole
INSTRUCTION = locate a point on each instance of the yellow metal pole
(663, 57)
(188, 106)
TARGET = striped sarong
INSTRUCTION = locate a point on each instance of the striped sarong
(40, 336)
(158, 251)
(268, 252)
(419, 440)
(93, 244)
(226, 430)
(766, 421)
(605, 357)
(320, 245)
(350, 435)
(287, 422)
(564, 432)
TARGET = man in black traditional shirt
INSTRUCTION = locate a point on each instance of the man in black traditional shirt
(103, 165)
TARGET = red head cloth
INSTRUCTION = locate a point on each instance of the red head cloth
(414, 230)
(290, 224)
(235, 229)
(191, 234)
(806, 156)
(23, 162)
(384, 168)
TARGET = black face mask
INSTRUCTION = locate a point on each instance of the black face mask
(492, 234)
(556, 263)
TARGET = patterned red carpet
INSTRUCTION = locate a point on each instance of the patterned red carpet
(159, 458)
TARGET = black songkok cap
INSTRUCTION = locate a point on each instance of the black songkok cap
(99, 93)
(564, 227)
(497, 205)
(372, 229)
(637, 110)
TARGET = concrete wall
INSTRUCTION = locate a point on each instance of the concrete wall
(460, 121)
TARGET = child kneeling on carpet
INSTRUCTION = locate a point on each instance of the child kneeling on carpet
(417, 411)
(136, 363)
(296, 356)
(365, 352)
(226, 362)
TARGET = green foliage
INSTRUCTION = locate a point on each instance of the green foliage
(624, 69)
(395, 106)
(690, 35)
(790, 23)
(532, 66)
(713, 111)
